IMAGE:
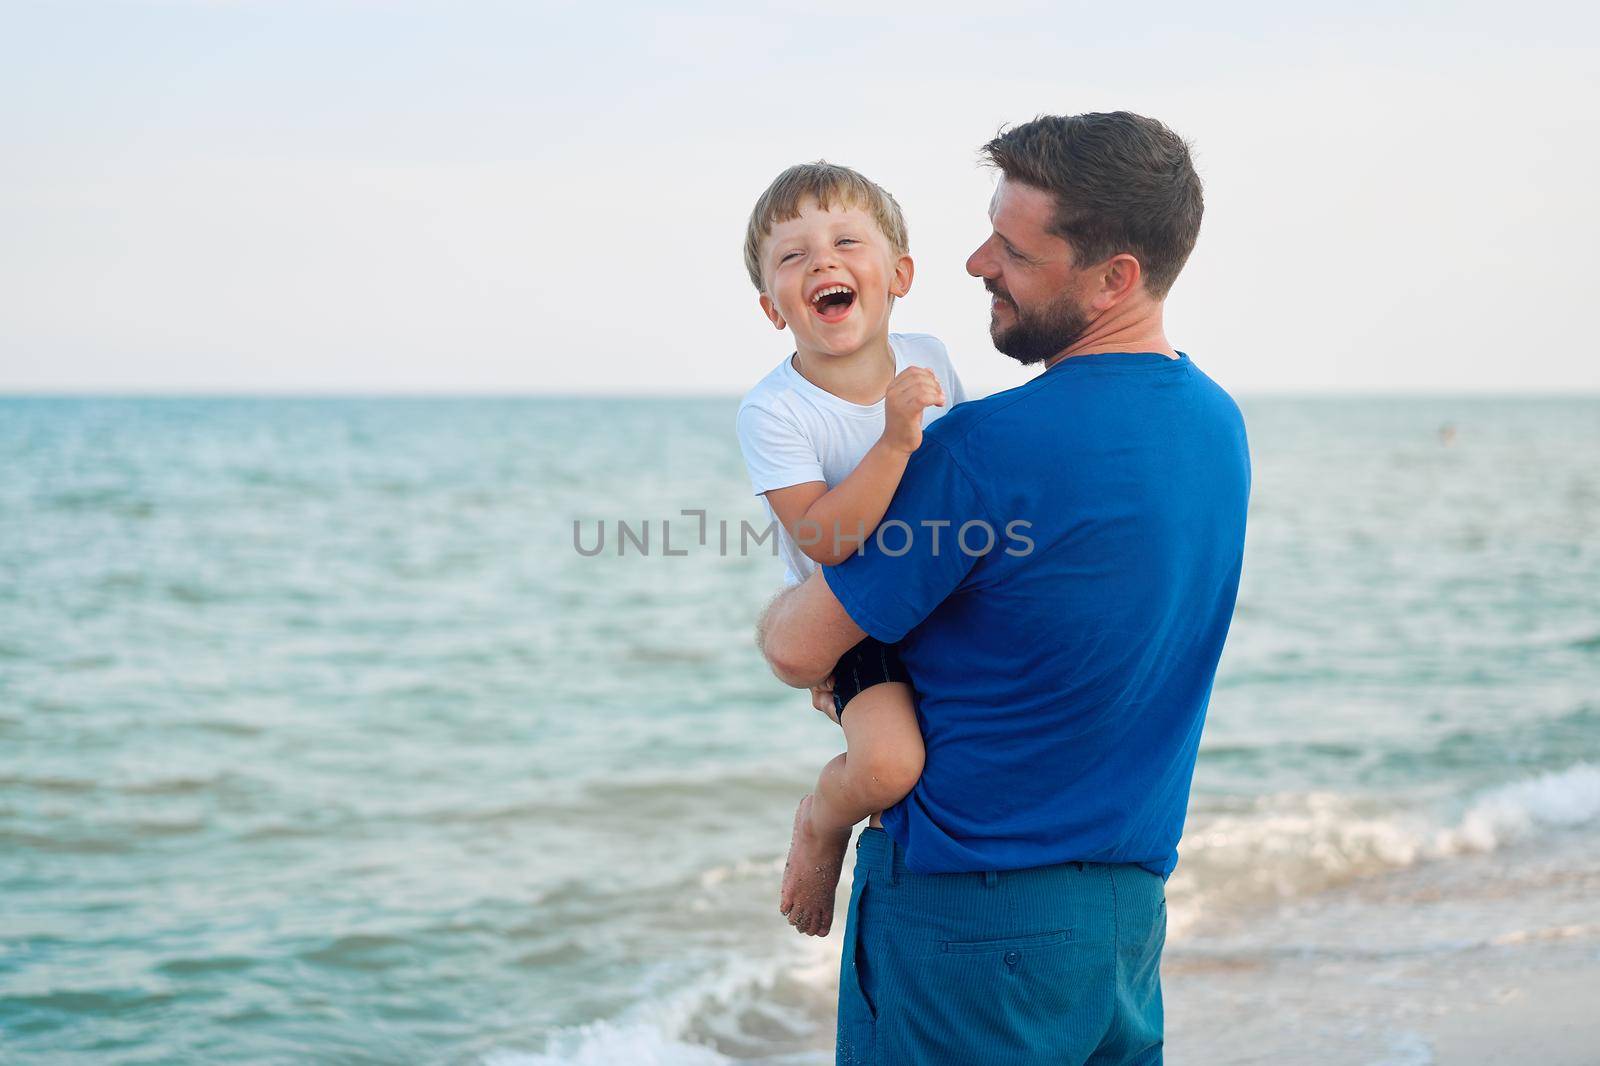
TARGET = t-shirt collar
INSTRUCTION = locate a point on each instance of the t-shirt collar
(1122, 360)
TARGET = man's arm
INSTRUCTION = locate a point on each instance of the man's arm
(804, 632)
(807, 628)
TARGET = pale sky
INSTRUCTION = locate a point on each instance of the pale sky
(550, 197)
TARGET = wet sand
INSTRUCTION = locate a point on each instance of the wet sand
(1487, 959)
(1547, 1018)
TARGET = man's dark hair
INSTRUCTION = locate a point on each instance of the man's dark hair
(1122, 183)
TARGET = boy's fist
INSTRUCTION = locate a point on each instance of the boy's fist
(912, 390)
(822, 699)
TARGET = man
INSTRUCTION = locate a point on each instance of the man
(1011, 909)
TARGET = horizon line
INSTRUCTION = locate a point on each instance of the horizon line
(1301, 393)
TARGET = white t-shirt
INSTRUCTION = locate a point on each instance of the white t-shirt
(792, 432)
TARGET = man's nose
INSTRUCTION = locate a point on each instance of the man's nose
(978, 263)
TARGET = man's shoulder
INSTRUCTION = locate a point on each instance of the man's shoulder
(955, 430)
(1220, 398)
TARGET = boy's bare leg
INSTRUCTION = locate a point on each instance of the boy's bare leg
(883, 761)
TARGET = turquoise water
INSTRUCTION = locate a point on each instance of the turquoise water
(319, 741)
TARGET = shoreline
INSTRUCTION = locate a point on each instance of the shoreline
(1488, 958)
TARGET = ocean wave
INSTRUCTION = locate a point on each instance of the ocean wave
(185, 966)
(1589, 642)
(745, 868)
(749, 1007)
(1291, 845)
(76, 843)
(93, 1002)
(361, 951)
(604, 1044)
(181, 785)
(49, 783)
(1521, 809)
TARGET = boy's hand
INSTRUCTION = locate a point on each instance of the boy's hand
(912, 390)
(822, 699)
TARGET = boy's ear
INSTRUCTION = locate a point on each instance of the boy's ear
(900, 281)
(770, 309)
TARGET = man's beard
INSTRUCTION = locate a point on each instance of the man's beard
(1037, 335)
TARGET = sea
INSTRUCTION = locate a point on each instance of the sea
(433, 731)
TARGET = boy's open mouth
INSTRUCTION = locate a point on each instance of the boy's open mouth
(833, 302)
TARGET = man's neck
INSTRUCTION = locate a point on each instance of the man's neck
(1133, 330)
(861, 377)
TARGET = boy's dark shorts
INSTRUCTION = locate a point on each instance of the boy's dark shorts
(869, 663)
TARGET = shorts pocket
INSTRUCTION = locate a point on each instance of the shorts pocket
(858, 1015)
(1012, 943)
(857, 965)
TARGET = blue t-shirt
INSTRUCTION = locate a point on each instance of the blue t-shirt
(1062, 676)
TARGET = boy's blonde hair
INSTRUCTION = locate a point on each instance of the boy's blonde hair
(830, 186)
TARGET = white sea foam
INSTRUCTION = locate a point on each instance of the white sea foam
(718, 875)
(674, 1030)
(604, 1044)
(1407, 1049)
(1292, 845)
(1516, 811)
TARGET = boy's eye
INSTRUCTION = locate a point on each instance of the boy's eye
(787, 256)
(847, 240)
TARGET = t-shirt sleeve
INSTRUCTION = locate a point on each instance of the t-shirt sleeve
(957, 391)
(914, 559)
(776, 451)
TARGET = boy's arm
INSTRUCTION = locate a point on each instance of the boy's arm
(829, 524)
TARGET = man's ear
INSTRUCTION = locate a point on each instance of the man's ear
(1120, 277)
(900, 281)
(770, 309)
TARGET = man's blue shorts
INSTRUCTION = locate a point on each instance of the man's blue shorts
(1055, 964)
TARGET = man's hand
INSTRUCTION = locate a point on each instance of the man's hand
(822, 699)
(914, 389)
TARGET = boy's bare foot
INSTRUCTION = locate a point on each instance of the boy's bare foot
(811, 874)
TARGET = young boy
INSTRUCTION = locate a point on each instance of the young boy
(826, 437)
